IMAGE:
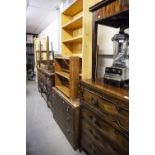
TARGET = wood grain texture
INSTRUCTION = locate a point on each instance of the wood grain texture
(114, 14)
(67, 75)
(76, 34)
(104, 119)
(66, 114)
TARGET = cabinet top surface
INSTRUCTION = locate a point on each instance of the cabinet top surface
(47, 72)
(116, 92)
(100, 5)
(73, 103)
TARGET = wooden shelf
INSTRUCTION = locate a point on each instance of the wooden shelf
(74, 8)
(76, 23)
(73, 40)
(64, 90)
(60, 57)
(67, 75)
(63, 74)
(66, 70)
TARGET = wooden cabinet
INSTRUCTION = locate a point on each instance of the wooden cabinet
(45, 83)
(104, 119)
(67, 75)
(66, 114)
(76, 32)
(112, 13)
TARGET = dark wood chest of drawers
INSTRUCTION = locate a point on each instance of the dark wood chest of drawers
(104, 119)
(66, 114)
(45, 83)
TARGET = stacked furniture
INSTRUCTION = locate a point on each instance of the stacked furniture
(67, 76)
(45, 69)
(74, 64)
(105, 109)
(30, 56)
(93, 116)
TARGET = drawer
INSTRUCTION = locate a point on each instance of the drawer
(90, 147)
(104, 143)
(68, 110)
(116, 137)
(116, 113)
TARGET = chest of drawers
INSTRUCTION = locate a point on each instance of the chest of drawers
(104, 118)
(66, 114)
(45, 84)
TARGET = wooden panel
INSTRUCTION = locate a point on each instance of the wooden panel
(65, 19)
(74, 8)
(44, 44)
(87, 40)
(116, 113)
(63, 74)
(77, 49)
(104, 119)
(118, 141)
(67, 49)
(66, 34)
(67, 77)
(73, 40)
(76, 23)
(63, 89)
(66, 114)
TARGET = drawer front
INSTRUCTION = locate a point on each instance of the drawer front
(90, 147)
(63, 114)
(68, 110)
(109, 132)
(87, 129)
(116, 113)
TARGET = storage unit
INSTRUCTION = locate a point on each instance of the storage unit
(113, 13)
(67, 75)
(66, 114)
(104, 119)
(76, 32)
(30, 63)
(45, 83)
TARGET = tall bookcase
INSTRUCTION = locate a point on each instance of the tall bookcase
(76, 31)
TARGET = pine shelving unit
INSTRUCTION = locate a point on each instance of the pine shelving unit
(66, 76)
(76, 31)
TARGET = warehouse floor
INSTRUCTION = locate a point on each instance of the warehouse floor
(43, 135)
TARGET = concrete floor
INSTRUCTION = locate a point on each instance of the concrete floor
(43, 135)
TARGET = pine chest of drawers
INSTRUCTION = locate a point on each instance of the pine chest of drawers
(104, 119)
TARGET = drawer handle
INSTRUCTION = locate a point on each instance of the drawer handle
(119, 125)
(94, 120)
(94, 102)
(67, 109)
